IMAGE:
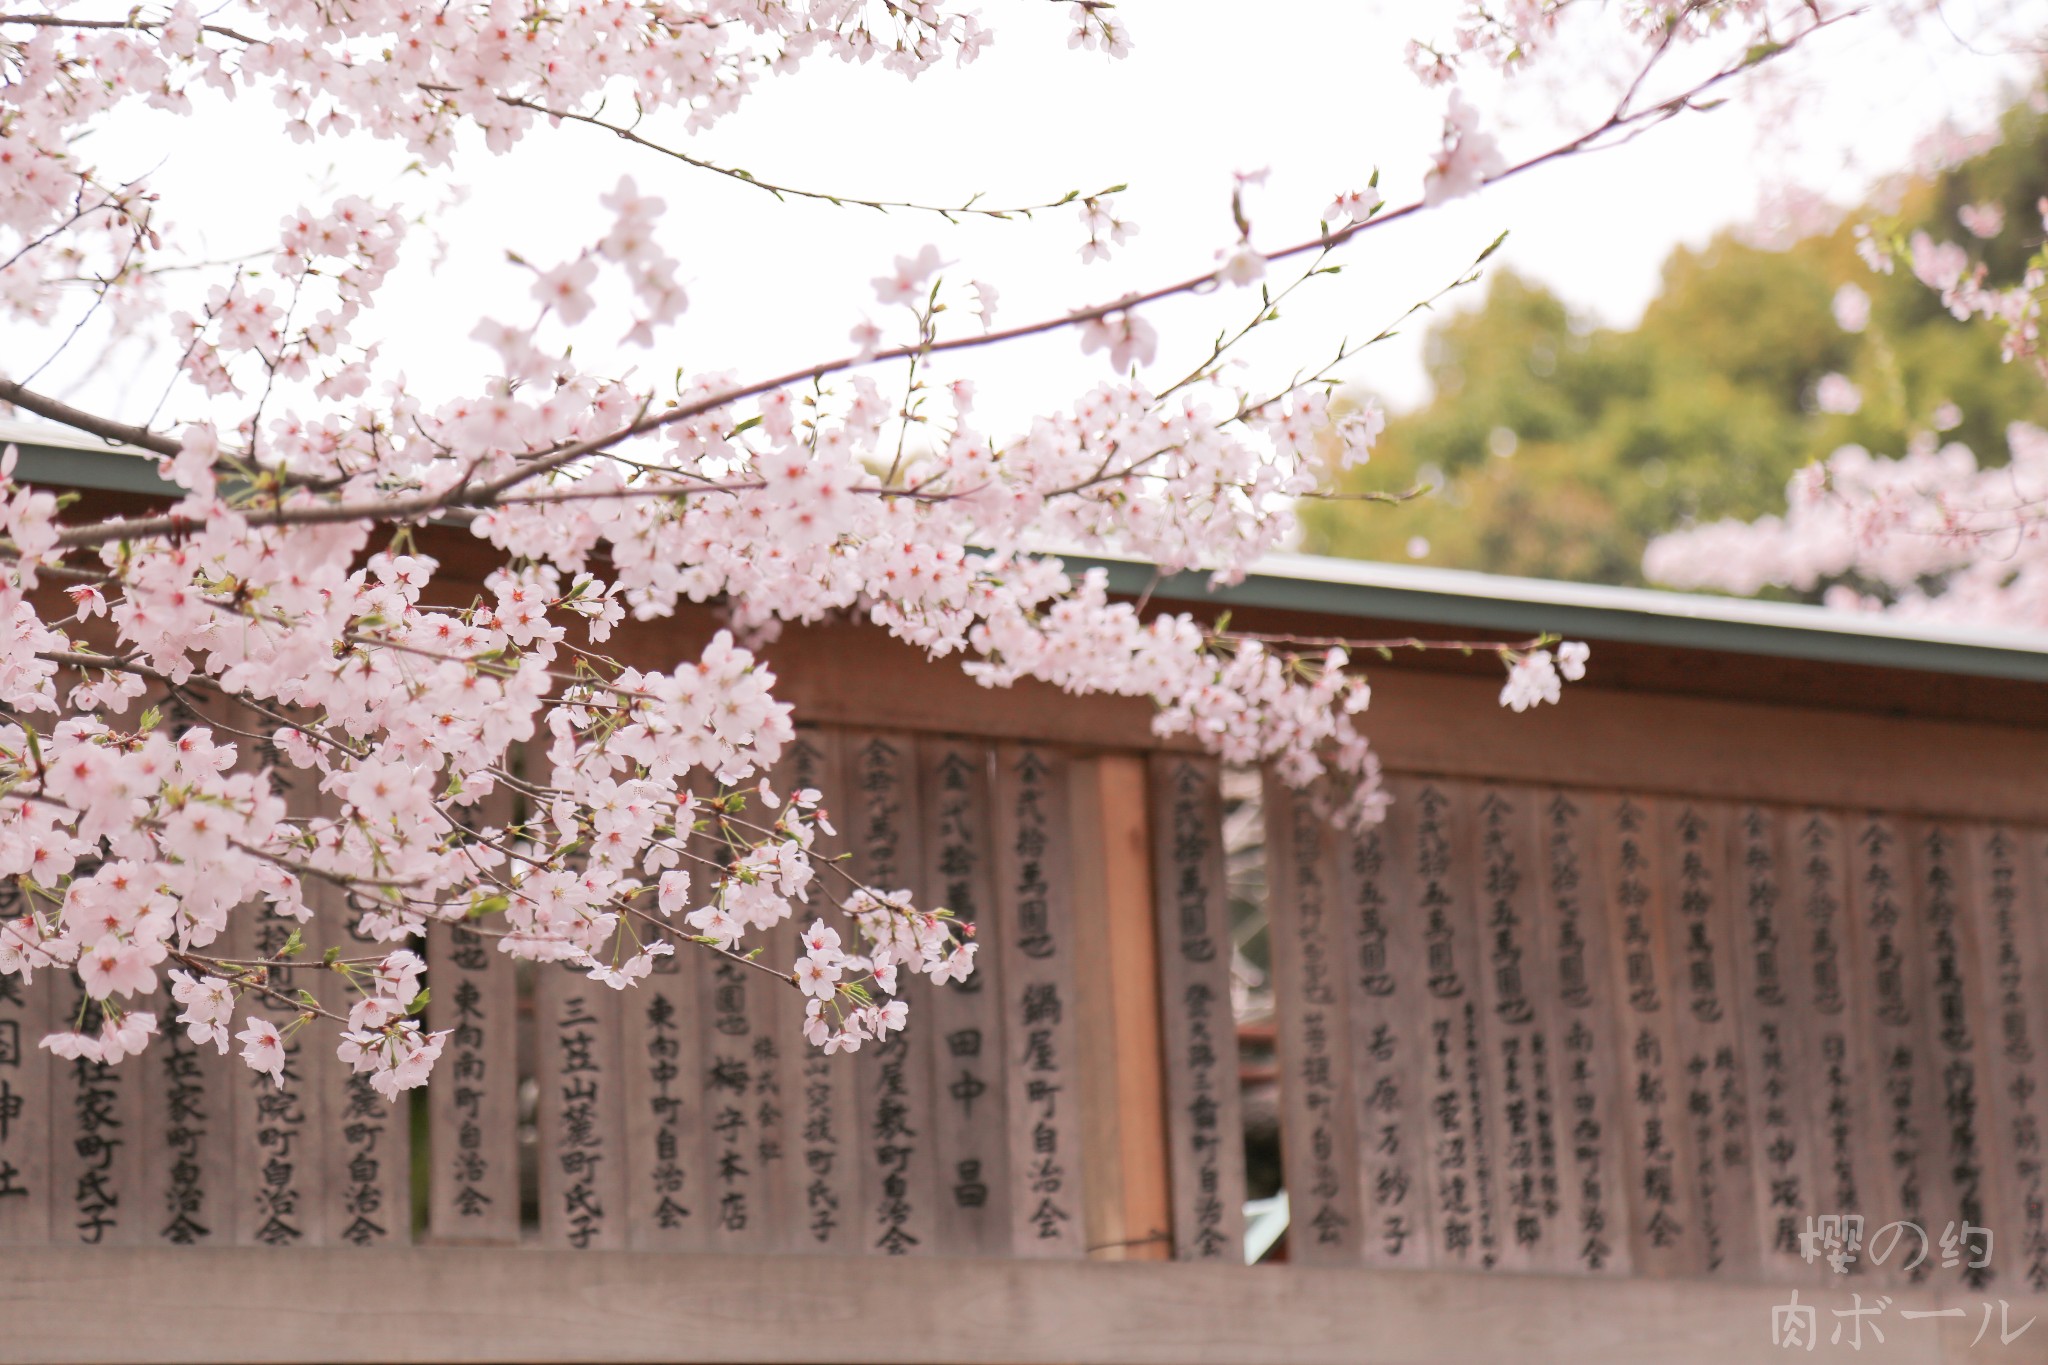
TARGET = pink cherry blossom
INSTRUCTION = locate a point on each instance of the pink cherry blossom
(263, 1048)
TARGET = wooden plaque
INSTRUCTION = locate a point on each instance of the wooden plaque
(970, 1136)
(1664, 1234)
(98, 1139)
(473, 1094)
(1571, 915)
(1500, 829)
(2006, 924)
(280, 1133)
(1958, 1030)
(580, 1111)
(1426, 831)
(1034, 920)
(823, 1170)
(187, 1135)
(1771, 942)
(1884, 950)
(1386, 975)
(26, 1100)
(1205, 1124)
(1309, 933)
(1709, 1075)
(899, 1167)
(670, 1199)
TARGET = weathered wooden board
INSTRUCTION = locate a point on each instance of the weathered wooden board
(1902, 1146)
(740, 1189)
(970, 1134)
(1572, 914)
(98, 1140)
(1771, 941)
(1663, 1228)
(1309, 932)
(473, 1094)
(670, 1201)
(26, 1104)
(580, 1113)
(2006, 923)
(1710, 1072)
(280, 1130)
(899, 1166)
(823, 1171)
(1205, 1124)
(1959, 1030)
(1034, 921)
(187, 1136)
(1500, 829)
(1426, 835)
(366, 1148)
(1839, 1062)
(1389, 1049)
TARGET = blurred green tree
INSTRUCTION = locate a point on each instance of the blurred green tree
(1558, 449)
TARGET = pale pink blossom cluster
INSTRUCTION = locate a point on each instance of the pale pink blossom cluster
(851, 998)
(1467, 158)
(263, 697)
(1932, 534)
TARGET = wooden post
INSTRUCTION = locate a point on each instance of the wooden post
(1205, 1119)
(1129, 1212)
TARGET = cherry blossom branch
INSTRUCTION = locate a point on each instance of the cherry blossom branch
(626, 133)
(464, 494)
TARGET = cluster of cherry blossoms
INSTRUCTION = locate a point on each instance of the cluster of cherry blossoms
(269, 697)
(1932, 534)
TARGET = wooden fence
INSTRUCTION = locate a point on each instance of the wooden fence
(1605, 1034)
(688, 1113)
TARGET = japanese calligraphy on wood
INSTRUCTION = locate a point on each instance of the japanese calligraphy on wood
(1205, 1126)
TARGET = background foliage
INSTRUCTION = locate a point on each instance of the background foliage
(1558, 449)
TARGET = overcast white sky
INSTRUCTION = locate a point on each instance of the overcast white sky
(1313, 89)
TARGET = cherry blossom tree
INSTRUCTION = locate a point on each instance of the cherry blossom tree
(281, 616)
(1932, 533)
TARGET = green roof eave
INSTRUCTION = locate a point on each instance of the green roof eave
(1523, 607)
(1511, 607)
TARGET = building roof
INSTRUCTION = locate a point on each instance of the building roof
(1383, 592)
